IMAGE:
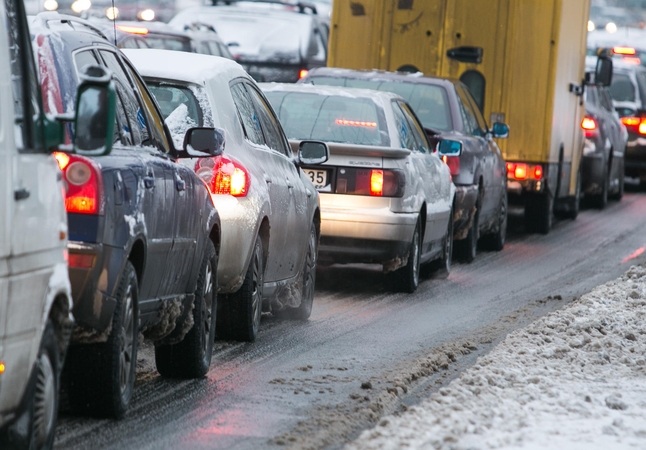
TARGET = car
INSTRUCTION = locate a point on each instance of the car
(447, 109)
(143, 232)
(271, 42)
(602, 163)
(627, 44)
(628, 92)
(386, 197)
(269, 209)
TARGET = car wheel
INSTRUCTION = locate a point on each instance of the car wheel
(191, 357)
(100, 377)
(468, 247)
(600, 201)
(34, 428)
(239, 316)
(539, 210)
(496, 241)
(406, 279)
(620, 190)
(304, 310)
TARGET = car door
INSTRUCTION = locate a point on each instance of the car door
(273, 172)
(297, 220)
(155, 197)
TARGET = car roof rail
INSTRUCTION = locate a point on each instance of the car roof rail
(47, 17)
(302, 6)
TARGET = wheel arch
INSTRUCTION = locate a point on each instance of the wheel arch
(137, 258)
(263, 232)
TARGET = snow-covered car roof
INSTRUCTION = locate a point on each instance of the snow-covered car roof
(376, 74)
(188, 67)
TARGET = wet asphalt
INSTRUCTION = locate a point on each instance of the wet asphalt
(358, 332)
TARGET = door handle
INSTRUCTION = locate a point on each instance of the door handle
(149, 182)
(180, 184)
(20, 194)
(289, 183)
(267, 179)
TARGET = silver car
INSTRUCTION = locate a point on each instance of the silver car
(268, 208)
(386, 197)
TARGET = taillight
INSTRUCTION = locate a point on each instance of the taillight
(302, 73)
(373, 182)
(83, 183)
(522, 171)
(454, 164)
(81, 260)
(377, 183)
(590, 127)
(636, 125)
(223, 175)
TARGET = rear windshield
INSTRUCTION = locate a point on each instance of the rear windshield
(330, 118)
(429, 102)
(179, 107)
(622, 88)
(168, 42)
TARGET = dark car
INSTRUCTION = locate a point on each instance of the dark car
(628, 91)
(143, 231)
(271, 41)
(602, 163)
(446, 109)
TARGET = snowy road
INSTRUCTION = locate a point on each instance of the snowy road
(300, 384)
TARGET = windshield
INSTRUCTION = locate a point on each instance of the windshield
(179, 107)
(330, 118)
(622, 89)
(429, 102)
(168, 42)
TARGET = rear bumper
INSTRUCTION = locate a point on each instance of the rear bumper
(465, 207)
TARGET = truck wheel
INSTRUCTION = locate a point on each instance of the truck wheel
(468, 247)
(574, 203)
(239, 317)
(191, 357)
(600, 201)
(304, 310)
(406, 279)
(34, 427)
(100, 378)
(496, 240)
(539, 210)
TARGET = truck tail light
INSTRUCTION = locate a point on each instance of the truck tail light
(224, 176)
(454, 164)
(590, 127)
(636, 125)
(83, 183)
(522, 171)
(377, 183)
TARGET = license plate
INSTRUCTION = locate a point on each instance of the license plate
(317, 177)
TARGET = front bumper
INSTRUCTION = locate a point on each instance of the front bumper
(465, 207)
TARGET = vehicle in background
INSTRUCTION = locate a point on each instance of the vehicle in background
(386, 197)
(143, 231)
(528, 78)
(611, 18)
(269, 208)
(602, 164)
(628, 91)
(627, 44)
(446, 109)
(143, 10)
(35, 291)
(271, 42)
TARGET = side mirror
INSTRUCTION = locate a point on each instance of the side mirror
(449, 147)
(313, 152)
(603, 72)
(204, 142)
(95, 114)
(500, 130)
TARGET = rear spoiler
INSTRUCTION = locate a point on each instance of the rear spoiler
(359, 150)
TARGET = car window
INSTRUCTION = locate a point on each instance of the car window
(270, 125)
(122, 131)
(84, 58)
(204, 48)
(248, 117)
(316, 51)
(641, 82)
(179, 107)
(331, 118)
(406, 136)
(416, 130)
(468, 116)
(129, 43)
(475, 110)
(622, 88)
(606, 100)
(169, 42)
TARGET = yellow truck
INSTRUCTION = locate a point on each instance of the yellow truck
(523, 60)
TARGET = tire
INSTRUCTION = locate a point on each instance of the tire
(239, 315)
(406, 279)
(575, 203)
(191, 357)
(539, 211)
(304, 310)
(620, 190)
(496, 240)
(467, 248)
(600, 201)
(34, 428)
(99, 378)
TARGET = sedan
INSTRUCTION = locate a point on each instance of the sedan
(269, 209)
(447, 109)
(386, 197)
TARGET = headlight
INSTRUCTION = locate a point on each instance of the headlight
(80, 6)
(50, 5)
(112, 12)
(146, 15)
(611, 27)
(591, 26)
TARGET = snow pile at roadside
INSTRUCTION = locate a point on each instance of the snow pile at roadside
(575, 379)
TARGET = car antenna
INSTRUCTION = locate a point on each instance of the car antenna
(114, 23)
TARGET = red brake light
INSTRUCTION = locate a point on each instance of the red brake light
(630, 51)
(588, 124)
(454, 164)
(538, 172)
(83, 182)
(642, 127)
(81, 260)
(355, 123)
(224, 176)
(635, 124)
(303, 73)
(133, 30)
(377, 183)
(522, 171)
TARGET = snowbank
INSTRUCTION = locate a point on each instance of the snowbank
(575, 379)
